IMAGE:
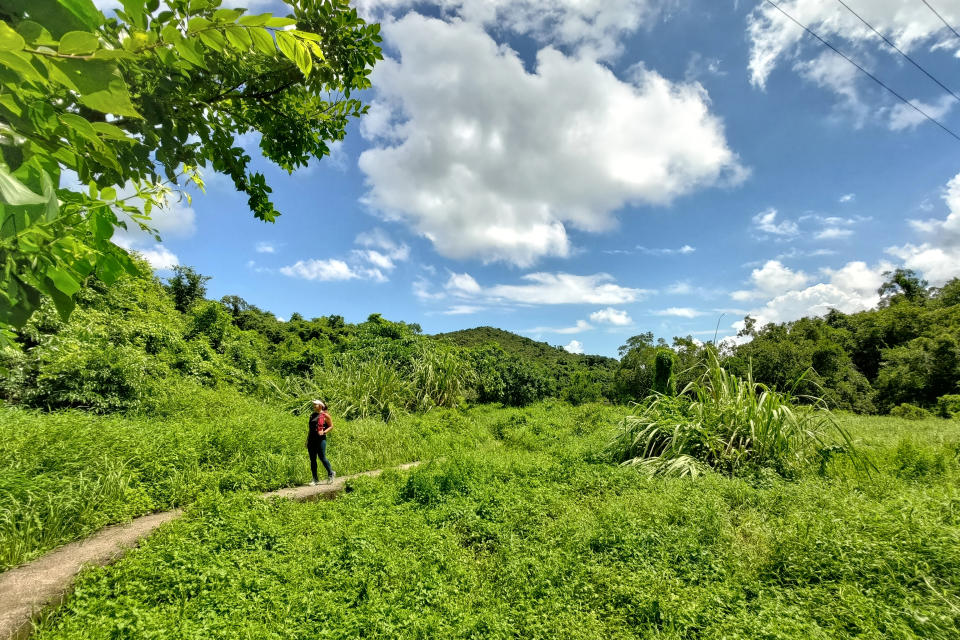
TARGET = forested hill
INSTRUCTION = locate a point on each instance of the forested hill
(531, 350)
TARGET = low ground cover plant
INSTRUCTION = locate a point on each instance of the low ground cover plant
(64, 475)
(538, 536)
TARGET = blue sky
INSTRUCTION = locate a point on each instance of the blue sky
(580, 172)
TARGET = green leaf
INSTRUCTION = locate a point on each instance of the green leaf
(111, 131)
(306, 35)
(255, 20)
(14, 192)
(227, 15)
(10, 40)
(108, 193)
(35, 33)
(263, 41)
(78, 43)
(304, 60)
(239, 38)
(84, 11)
(187, 48)
(100, 85)
(80, 126)
(101, 222)
(279, 23)
(109, 269)
(64, 303)
(135, 10)
(171, 34)
(287, 45)
(63, 281)
(20, 63)
(198, 23)
(213, 39)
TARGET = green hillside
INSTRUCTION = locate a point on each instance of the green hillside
(525, 348)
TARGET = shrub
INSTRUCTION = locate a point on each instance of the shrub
(909, 411)
(948, 406)
(724, 422)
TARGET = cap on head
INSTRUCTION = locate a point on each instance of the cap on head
(319, 403)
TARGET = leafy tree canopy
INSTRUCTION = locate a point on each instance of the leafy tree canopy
(133, 105)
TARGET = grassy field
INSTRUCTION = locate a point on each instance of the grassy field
(527, 531)
(65, 474)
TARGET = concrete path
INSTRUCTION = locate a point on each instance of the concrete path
(29, 589)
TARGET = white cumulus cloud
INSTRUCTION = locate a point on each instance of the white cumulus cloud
(938, 257)
(680, 312)
(766, 222)
(575, 346)
(489, 160)
(535, 289)
(770, 279)
(616, 317)
(323, 270)
(159, 257)
(579, 327)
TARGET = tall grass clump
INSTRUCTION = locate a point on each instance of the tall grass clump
(363, 386)
(723, 422)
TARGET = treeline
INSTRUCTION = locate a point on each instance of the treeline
(141, 344)
(902, 357)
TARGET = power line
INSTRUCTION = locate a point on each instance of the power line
(897, 49)
(867, 73)
(942, 19)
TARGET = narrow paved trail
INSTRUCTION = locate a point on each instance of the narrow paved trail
(30, 588)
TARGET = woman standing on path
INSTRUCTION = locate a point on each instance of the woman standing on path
(319, 425)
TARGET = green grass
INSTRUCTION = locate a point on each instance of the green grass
(535, 535)
(66, 474)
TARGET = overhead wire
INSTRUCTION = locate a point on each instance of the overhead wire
(897, 49)
(942, 19)
(865, 72)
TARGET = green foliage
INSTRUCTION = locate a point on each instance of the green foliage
(515, 370)
(186, 287)
(948, 406)
(134, 103)
(727, 423)
(663, 381)
(910, 412)
(908, 350)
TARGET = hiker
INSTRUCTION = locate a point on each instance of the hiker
(319, 425)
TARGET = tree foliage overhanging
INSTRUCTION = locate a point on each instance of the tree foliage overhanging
(134, 104)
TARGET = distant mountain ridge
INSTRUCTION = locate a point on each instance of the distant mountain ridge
(521, 346)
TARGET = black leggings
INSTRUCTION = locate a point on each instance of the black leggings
(318, 449)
